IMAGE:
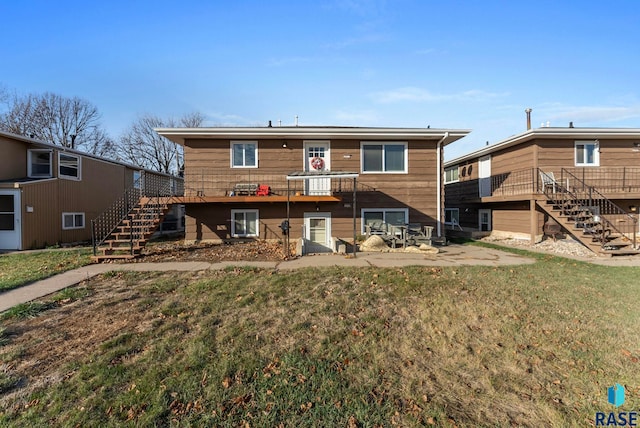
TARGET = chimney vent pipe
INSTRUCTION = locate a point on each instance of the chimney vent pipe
(528, 111)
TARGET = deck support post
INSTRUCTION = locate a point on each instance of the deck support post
(354, 217)
(533, 220)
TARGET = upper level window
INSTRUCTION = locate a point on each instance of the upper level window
(244, 154)
(587, 153)
(451, 174)
(69, 166)
(384, 157)
(39, 163)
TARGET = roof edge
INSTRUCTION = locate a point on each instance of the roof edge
(592, 133)
(179, 135)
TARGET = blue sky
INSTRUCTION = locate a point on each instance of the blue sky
(407, 63)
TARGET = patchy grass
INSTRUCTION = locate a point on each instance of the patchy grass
(532, 345)
(17, 269)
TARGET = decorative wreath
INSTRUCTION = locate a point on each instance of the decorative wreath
(317, 163)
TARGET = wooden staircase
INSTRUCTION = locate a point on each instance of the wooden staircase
(123, 230)
(132, 234)
(589, 216)
(583, 225)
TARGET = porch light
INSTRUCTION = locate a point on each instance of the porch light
(633, 208)
(284, 144)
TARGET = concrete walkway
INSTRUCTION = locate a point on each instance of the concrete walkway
(452, 255)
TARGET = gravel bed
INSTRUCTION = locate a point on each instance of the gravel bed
(565, 247)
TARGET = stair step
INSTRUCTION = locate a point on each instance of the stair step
(621, 252)
(99, 258)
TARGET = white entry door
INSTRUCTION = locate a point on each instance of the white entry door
(317, 159)
(317, 230)
(10, 216)
(484, 220)
(484, 175)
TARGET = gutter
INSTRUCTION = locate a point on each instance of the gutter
(439, 149)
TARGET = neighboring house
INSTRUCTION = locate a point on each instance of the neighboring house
(244, 182)
(49, 194)
(583, 180)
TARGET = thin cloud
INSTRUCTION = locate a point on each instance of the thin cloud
(356, 41)
(414, 94)
(359, 117)
(588, 114)
(221, 119)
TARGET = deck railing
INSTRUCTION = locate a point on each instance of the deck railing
(607, 180)
(518, 182)
(209, 182)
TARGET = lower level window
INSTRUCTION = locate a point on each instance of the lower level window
(244, 223)
(393, 216)
(72, 221)
(452, 216)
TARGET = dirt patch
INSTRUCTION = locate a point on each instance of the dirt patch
(242, 251)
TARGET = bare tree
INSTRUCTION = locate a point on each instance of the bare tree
(144, 147)
(68, 122)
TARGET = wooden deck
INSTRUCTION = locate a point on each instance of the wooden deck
(253, 199)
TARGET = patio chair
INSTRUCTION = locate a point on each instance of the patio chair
(416, 234)
(548, 181)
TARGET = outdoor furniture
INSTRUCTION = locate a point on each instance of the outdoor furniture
(391, 235)
(548, 181)
(263, 190)
(553, 229)
(246, 189)
(416, 234)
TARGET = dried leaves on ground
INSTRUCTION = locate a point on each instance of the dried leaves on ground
(240, 251)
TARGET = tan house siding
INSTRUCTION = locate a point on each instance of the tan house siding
(42, 226)
(13, 160)
(512, 159)
(515, 217)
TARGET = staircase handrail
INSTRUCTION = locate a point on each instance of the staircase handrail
(611, 207)
(146, 185)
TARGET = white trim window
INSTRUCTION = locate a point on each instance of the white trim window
(452, 216)
(244, 154)
(383, 157)
(393, 216)
(69, 166)
(245, 223)
(72, 221)
(39, 164)
(587, 153)
(451, 174)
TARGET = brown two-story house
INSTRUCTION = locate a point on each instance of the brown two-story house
(328, 182)
(586, 180)
(50, 194)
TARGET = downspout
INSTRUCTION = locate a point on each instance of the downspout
(439, 152)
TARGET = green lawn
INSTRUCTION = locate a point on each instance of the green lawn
(17, 269)
(531, 345)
